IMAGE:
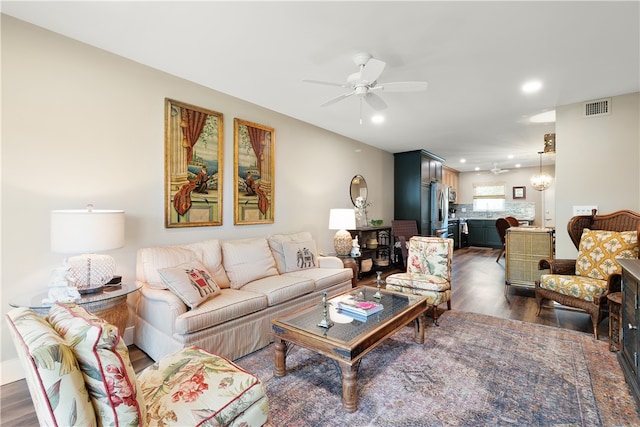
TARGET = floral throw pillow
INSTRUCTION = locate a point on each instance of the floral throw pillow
(599, 249)
(104, 361)
(191, 282)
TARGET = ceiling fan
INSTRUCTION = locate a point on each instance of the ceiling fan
(496, 170)
(364, 84)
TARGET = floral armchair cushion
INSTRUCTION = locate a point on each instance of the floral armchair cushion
(599, 249)
(585, 288)
(430, 255)
(194, 387)
(104, 360)
(52, 373)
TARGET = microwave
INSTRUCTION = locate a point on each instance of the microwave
(452, 195)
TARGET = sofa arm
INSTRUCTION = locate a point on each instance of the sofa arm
(159, 307)
(330, 262)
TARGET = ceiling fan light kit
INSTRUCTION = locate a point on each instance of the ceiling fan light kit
(363, 83)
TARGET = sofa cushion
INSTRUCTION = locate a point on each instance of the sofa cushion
(276, 244)
(150, 260)
(191, 282)
(52, 373)
(104, 360)
(210, 253)
(300, 255)
(281, 288)
(599, 249)
(230, 304)
(247, 260)
(193, 387)
(324, 277)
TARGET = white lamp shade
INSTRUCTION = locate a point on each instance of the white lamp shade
(342, 219)
(82, 231)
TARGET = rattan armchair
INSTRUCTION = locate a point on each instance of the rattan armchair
(501, 226)
(618, 221)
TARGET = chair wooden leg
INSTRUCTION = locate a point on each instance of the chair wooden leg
(435, 315)
(500, 254)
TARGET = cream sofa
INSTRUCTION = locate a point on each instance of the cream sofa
(259, 280)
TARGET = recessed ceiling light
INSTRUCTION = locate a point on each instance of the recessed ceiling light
(532, 86)
(546, 117)
(477, 168)
(463, 160)
(517, 165)
(377, 119)
(510, 156)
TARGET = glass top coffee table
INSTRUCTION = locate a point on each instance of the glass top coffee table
(347, 340)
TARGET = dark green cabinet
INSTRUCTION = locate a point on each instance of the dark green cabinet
(482, 232)
(629, 357)
(414, 171)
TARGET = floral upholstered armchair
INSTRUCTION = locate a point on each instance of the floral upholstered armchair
(585, 282)
(79, 374)
(428, 271)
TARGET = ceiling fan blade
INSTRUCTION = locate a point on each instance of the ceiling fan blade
(338, 98)
(320, 82)
(372, 70)
(375, 101)
(403, 87)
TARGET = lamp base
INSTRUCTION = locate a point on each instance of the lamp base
(342, 242)
(90, 272)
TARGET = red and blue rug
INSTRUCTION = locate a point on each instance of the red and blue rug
(473, 370)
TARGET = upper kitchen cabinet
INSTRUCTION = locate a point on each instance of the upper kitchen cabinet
(450, 178)
(414, 171)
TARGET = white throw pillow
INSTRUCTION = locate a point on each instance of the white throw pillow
(276, 242)
(150, 260)
(191, 282)
(300, 256)
(246, 260)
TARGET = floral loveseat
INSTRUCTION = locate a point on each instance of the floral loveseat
(221, 295)
(79, 374)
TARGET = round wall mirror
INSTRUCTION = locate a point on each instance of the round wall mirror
(358, 188)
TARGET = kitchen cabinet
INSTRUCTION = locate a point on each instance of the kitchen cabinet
(379, 252)
(629, 357)
(414, 171)
(482, 232)
(450, 178)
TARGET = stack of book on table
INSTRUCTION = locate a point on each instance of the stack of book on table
(359, 310)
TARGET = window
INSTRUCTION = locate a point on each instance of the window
(489, 196)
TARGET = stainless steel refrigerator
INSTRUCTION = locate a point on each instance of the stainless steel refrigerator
(439, 210)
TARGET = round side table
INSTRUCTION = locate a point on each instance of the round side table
(615, 304)
(110, 304)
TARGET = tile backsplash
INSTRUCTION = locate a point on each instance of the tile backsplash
(521, 210)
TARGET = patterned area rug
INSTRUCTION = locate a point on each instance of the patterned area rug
(473, 370)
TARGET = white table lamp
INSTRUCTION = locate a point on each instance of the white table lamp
(88, 231)
(342, 220)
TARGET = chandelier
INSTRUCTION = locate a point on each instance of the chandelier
(541, 181)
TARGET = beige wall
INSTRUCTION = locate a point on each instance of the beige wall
(80, 125)
(597, 162)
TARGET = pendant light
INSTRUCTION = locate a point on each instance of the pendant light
(541, 181)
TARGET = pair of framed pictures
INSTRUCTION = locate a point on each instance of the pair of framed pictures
(194, 166)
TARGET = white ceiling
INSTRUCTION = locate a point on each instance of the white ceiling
(474, 55)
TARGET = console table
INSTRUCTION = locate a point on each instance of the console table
(380, 255)
(629, 357)
(110, 304)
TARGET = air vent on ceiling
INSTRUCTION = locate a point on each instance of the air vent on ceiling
(599, 107)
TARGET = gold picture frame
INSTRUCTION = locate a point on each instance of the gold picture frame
(253, 172)
(193, 165)
(519, 192)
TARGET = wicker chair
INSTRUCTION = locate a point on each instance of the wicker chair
(402, 230)
(556, 286)
(501, 226)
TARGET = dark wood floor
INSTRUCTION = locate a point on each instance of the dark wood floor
(478, 286)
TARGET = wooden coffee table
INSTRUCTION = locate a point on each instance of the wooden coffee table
(347, 340)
